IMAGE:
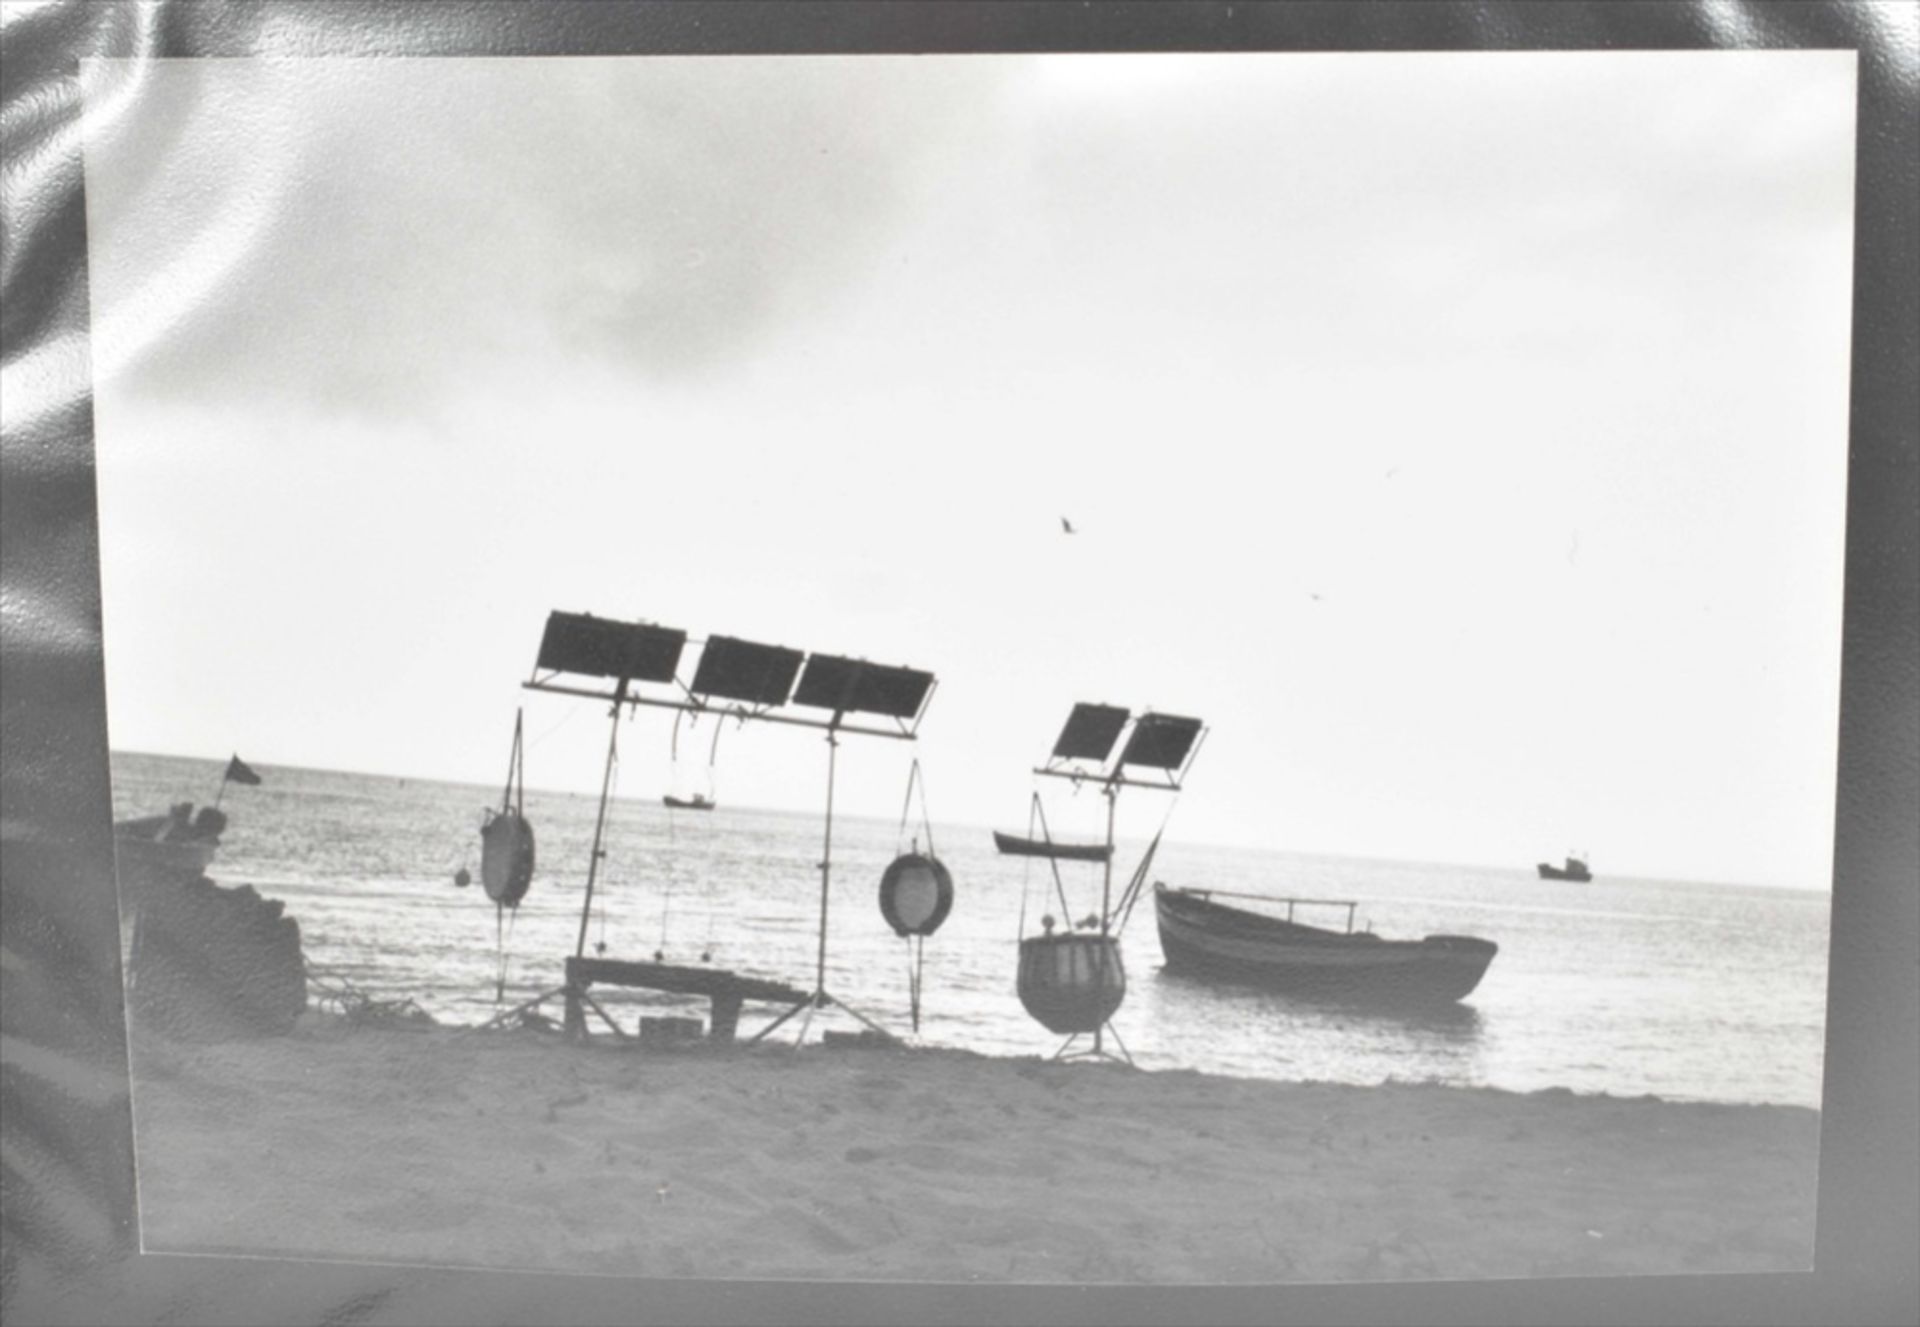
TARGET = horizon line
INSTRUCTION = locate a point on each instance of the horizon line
(1827, 891)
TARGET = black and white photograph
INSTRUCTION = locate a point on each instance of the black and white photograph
(1154, 669)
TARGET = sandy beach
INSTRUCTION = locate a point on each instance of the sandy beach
(516, 1150)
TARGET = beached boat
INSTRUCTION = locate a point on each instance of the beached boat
(175, 846)
(206, 962)
(1575, 869)
(1015, 846)
(1214, 940)
(693, 803)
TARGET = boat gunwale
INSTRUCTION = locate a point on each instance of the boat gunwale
(1201, 910)
(1016, 845)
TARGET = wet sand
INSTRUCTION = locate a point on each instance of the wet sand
(516, 1150)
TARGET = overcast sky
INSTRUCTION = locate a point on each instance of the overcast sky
(1462, 436)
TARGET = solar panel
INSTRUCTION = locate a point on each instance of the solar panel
(1090, 733)
(743, 670)
(856, 686)
(1160, 741)
(601, 647)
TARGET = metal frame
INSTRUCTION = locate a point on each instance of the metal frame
(733, 709)
(1095, 1051)
(1108, 775)
(690, 703)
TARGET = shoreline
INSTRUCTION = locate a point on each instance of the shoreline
(513, 1149)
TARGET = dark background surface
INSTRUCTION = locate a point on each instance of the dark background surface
(67, 1180)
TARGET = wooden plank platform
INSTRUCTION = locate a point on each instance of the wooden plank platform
(725, 990)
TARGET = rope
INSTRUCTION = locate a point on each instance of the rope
(1131, 895)
(915, 776)
(666, 906)
(713, 754)
(600, 897)
(1128, 897)
(1053, 863)
(706, 948)
(355, 1005)
(502, 916)
(1026, 883)
(917, 951)
(515, 766)
(526, 1013)
(566, 719)
(916, 944)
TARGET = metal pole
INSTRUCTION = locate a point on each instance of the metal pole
(513, 759)
(1106, 892)
(600, 820)
(1106, 883)
(826, 867)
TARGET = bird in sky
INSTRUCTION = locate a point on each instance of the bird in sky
(1067, 526)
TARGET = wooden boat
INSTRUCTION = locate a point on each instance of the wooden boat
(1015, 846)
(175, 846)
(1575, 869)
(1219, 942)
(693, 803)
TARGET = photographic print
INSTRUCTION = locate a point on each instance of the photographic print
(1174, 669)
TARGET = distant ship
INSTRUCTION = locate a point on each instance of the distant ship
(693, 803)
(1575, 869)
(1015, 846)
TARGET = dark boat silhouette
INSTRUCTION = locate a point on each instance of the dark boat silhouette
(1214, 941)
(1015, 846)
(693, 803)
(1575, 869)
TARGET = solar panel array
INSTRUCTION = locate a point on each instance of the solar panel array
(1160, 741)
(743, 670)
(1090, 732)
(600, 647)
(731, 669)
(855, 686)
(1164, 742)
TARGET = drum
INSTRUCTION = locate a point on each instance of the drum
(916, 893)
(1072, 982)
(506, 857)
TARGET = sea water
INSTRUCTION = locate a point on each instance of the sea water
(1684, 990)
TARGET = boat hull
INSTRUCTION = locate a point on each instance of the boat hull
(1548, 871)
(206, 962)
(1014, 846)
(683, 804)
(1214, 942)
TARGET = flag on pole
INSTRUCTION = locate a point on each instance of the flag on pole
(238, 772)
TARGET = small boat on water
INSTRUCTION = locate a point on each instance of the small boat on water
(693, 803)
(1575, 869)
(1224, 943)
(1015, 846)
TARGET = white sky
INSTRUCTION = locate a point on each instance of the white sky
(1532, 367)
